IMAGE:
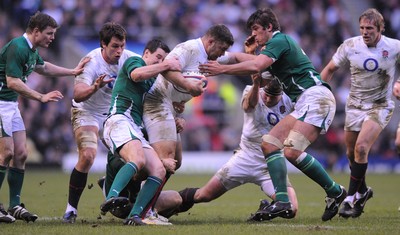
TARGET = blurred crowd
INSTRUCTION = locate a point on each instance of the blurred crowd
(214, 120)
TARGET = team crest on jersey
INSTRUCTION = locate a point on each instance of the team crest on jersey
(385, 54)
(282, 109)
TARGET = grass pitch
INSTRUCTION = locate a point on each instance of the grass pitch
(45, 193)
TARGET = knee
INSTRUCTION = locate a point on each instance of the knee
(158, 170)
(270, 144)
(19, 158)
(87, 156)
(361, 151)
(6, 156)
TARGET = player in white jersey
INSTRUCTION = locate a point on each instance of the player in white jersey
(158, 105)
(158, 110)
(92, 97)
(263, 108)
(373, 60)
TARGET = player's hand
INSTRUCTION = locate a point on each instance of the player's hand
(169, 164)
(179, 107)
(102, 80)
(211, 68)
(195, 87)
(52, 96)
(256, 79)
(180, 124)
(80, 67)
(250, 45)
(396, 90)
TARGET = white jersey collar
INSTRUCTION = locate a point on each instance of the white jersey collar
(202, 48)
(27, 40)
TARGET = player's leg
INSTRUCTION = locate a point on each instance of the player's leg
(271, 146)
(86, 139)
(156, 172)
(167, 200)
(6, 154)
(369, 133)
(302, 135)
(315, 110)
(15, 178)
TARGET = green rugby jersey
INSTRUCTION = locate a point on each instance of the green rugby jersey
(127, 95)
(292, 66)
(17, 59)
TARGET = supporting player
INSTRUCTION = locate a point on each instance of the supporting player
(263, 109)
(374, 60)
(18, 59)
(92, 96)
(159, 112)
(122, 132)
(313, 113)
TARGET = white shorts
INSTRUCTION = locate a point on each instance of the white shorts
(119, 130)
(159, 115)
(246, 167)
(355, 117)
(316, 106)
(81, 117)
(10, 118)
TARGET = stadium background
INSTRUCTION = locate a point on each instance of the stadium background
(214, 120)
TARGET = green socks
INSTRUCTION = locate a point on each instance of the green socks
(15, 180)
(277, 170)
(122, 178)
(315, 171)
(145, 195)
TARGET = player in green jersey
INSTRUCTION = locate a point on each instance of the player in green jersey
(313, 112)
(18, 59)
(122, 132)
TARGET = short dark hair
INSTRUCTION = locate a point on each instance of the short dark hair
(264, 17)
(110, 30)
(156, 43)
(220, 33)
(41, 21)
(273, 87)
(374, 15)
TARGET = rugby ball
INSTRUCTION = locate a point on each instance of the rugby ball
(194, 76)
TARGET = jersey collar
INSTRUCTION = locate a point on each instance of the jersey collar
(202, 48)
(27, 40)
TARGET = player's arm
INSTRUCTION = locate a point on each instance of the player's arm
(194, 87)
(83, 91)
(246, 67)
(21, 88)
(150, 71)
(328, 71)
(49, 69)
(250, 100)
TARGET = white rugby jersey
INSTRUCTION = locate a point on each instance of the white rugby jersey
(99, 102)
(372, 70)
(261, 120)
(190, 54)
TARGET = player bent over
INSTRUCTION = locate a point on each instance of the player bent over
(263, 108)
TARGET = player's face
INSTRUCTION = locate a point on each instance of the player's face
(270, 100)
(113, 51)
(216, 49)
(154, 58)
(369, 32)
(260, 34)
(44, 38)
